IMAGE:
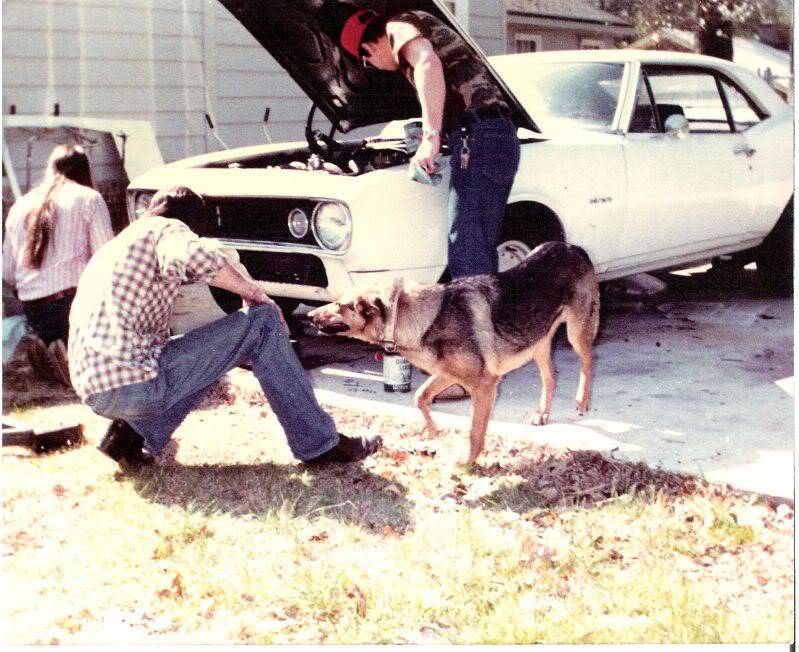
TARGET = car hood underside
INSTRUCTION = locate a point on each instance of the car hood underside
(302, 35)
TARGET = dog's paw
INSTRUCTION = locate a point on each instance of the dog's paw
(540, 419)
(464, 461)
(582, 407)
(431, 431)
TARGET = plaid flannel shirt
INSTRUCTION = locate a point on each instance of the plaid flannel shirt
(119, 321)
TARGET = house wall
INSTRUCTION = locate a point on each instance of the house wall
(487, 24)
(169, 62)
(132, 59)
(559, 37)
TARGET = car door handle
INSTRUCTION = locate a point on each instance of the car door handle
(744, 149)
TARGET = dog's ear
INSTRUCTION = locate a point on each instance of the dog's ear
(382, 308)
(367, 308)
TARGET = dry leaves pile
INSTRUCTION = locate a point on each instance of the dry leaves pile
(327, 555)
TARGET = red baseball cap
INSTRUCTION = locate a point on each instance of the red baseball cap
(353, 30)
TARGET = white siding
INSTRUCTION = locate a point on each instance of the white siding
(487, 25)
(136, 59)
(167, 61)
(248, 80)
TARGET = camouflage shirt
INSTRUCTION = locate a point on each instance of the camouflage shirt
(468, 82)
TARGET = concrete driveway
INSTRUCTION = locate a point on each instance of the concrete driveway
(697, 380)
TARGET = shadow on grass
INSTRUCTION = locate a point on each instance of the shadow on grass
(581, 478)
(350, 494)
(22, 388)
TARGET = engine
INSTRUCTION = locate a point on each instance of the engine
(347, 159)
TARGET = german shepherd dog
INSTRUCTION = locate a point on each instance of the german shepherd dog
(474, 330)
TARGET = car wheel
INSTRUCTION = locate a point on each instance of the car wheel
(512, 252)
(523, 231)
(774, 256)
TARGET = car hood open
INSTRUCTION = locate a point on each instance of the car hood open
(302, 35)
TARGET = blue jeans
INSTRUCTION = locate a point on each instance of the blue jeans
(189, 364)
(479, 192)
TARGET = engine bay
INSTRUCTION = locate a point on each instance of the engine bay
(340, 158)
(326, 155)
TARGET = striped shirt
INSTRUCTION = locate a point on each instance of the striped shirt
(81, 225)
(119, 321)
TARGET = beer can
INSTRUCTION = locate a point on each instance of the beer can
(396, 373)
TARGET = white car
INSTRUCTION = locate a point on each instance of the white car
(647, 160)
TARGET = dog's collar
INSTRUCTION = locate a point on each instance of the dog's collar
(389, 345)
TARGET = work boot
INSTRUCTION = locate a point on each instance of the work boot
(348, 449)
(39, 357)
(59, 362)
(125, 446)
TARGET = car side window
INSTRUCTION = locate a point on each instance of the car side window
(695, 94)
(744, 113)
(643, 119)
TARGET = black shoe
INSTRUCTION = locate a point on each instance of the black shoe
(348, 449)
(125, 446)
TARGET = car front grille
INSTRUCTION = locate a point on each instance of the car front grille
(257, 218)
(280, 267)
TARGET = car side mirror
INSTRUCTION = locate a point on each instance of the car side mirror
(677, 125)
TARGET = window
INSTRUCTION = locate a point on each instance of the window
(643, 120)
(691, 92)
(592, 44)
(526, 42)
(450, 4)
(744, 112)
(569, 96)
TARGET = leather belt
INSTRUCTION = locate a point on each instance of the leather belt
(63, 294)
(473, 116)
(491, 111)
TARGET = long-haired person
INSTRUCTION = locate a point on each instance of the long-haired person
(50, 235)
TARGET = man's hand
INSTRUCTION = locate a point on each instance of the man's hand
(257, 297)
(230, 278)
(426, 154)
(253, 295)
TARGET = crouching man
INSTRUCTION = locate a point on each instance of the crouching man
(124, 365)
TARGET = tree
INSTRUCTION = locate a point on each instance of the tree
(712, 21)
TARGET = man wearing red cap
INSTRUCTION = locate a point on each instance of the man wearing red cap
(460, 102)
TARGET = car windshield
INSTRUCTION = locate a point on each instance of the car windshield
(568, 95)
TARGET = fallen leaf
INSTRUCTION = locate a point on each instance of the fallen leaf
(177, 585)
(389, 532)
(528, 546)
(359, 597)
(397, 456)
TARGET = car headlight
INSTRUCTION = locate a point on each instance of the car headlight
(332, 226)
(138, 202)
(298, 223)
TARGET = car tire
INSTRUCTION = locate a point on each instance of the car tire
(774, 257)
(521, 233)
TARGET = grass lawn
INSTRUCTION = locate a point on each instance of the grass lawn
(229, 540)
